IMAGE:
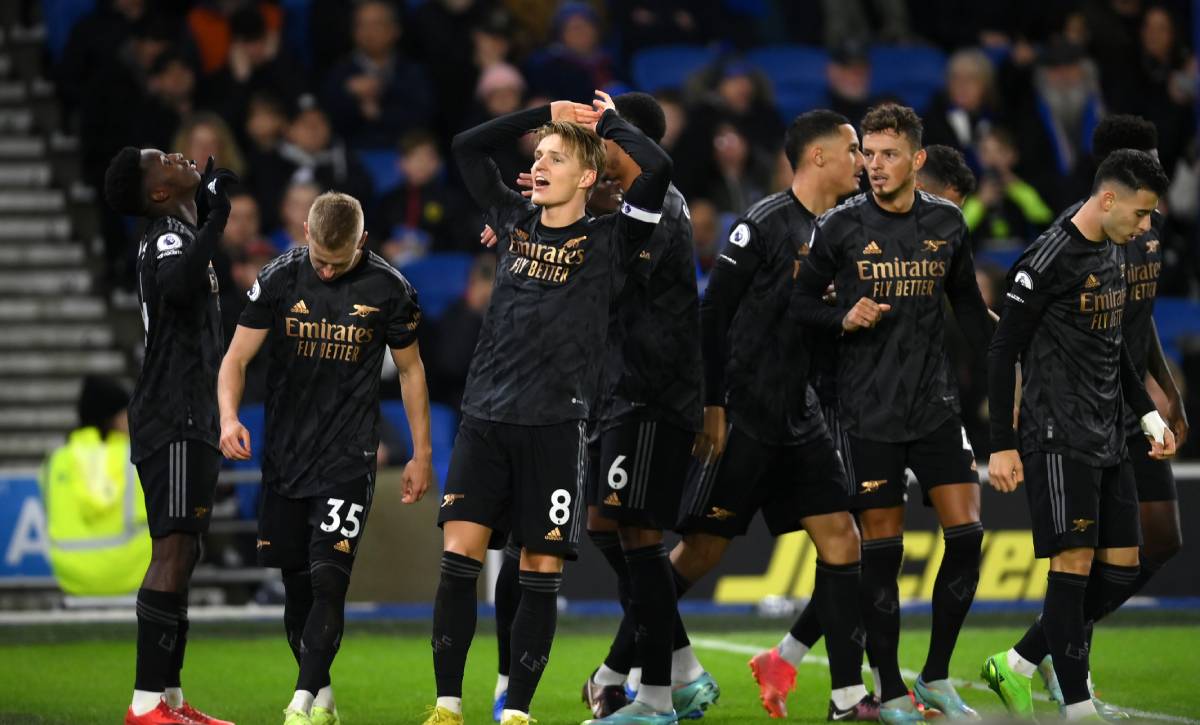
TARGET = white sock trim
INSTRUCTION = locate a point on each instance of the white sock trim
(144, 701)
(845, 698)
(656, 697)
(501, 686)
(1079, 710)
(174, 697)
(608, 677)
(302, 701)
(1020, 665)
(878, 681)
(453, 704)
(684, 666)
(634, 681)
(792, 650)
(506, 713)
(324, 698)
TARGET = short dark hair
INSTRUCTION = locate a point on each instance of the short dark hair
(642, 110)
(808, 127)
(893, 117)
(1133, 169)
(947, 167)
(123, 181)
(1123, 131)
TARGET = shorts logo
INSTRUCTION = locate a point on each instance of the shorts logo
(450, 498)
(933, 245)
(1081, 525)
(612, 500)
(872, 248)
(343, 546)
(872, 486)
(300, 308)
(1151, 246)
(201, 512)
(573, 243)
(720, 514)
(261, 544)
(363, 310)
(644, 255)
(1092, 282)
(554, 535)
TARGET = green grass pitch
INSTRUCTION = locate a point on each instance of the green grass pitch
(383, 674)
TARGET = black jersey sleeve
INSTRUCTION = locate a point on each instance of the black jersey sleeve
(643, 203)
(816, 271)
(1019, 317)
(181, 264)
(404, 318)
(473, 150)
(1132, 386)
(259, 312)
(727, 285)
(962, 289)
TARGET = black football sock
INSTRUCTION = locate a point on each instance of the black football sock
(835, 595)
(682, 585)
(807, 628)
(622, 651)
(508, 596)
(953, 592)
(1063, 624)
(454, 615)
(297, 603)
(532, 636)
(654, 610)
(158, 630)
(326, 620)
(880, 600)
(176, 670)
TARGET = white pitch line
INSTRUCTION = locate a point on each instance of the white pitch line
(721, 645)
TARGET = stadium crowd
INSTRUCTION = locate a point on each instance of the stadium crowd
(364, 97)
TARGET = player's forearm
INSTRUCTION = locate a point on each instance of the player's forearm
(650, 187)
(717, 309)
(231, 384)
(1132, 386)
(1012, 336)
(1156, 364)
(181, 276)
(416, 406)
(808, 306)
(473, 150)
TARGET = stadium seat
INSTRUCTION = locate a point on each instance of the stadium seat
(668, 66)
(794, 101)
(792, 67)
(443, 425)
(1176, 318)
(440, 279)
(914, 73)
(382, 165)
(60, 17)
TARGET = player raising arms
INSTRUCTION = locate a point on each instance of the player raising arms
(894, 255)
(173, 413)
(519, 457)
(326, 312)
(1073, 316)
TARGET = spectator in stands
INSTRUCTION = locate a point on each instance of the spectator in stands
(848, 76)
(672, 106)
(501, 91)
(1167, 85)
(246, 262)
(99, 543)
(255, 64)
(205, 134)
(647, 23)
(1006, 210)
(210, 25)
(266, 124)
(1054, 124)
(852, 19)
(424, 214)
(958, 115)
(309, 153)
(707, 234)
(492, 39)
(375, 96)
(451, 339)
(737, 180)
(575, 63)
(170, 86)
(90, 47)
(241, 231)
(293, 213)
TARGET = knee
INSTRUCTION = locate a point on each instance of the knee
(882, 523)
(633, 537)
(697, 554)
(1073, 561)
(842, 544)
(541, 563)
(330, 582)
(1160, 549)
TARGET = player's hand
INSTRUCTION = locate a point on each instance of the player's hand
(235, 440)
(1177, 419)
(573, 112)
(215, 184)
(525, 181)
(1164, 450)
(418, 473)
(603, 102)
(488, 236)
(710, 441)
(1005, 471)
(866, 313)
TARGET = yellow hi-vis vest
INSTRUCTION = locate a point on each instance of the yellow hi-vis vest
(95, 515)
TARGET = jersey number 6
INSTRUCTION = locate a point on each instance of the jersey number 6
(335, 518)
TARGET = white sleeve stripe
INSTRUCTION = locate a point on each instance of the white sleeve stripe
(642, 215)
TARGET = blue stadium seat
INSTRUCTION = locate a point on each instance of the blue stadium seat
(914, 73)
(1176, 318)
(383, 166)
(668, 66)
(296, 29)
(791, 66)
(440, 279)
(60, 17)
(443, 425)
(794, 101)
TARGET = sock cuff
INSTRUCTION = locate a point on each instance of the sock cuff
(955, 532)
(512, 550)
(605, 540)
(536, 581)
(457, 565)
(1067, 579)
(893, 542)
(159, 607)
(1117, 574)
(853, 569)
(654, 551)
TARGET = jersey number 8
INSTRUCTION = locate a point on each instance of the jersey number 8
(560, 507)
(335, 518)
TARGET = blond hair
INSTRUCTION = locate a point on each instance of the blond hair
(335, 220)
(228, 153)
(579, 141)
